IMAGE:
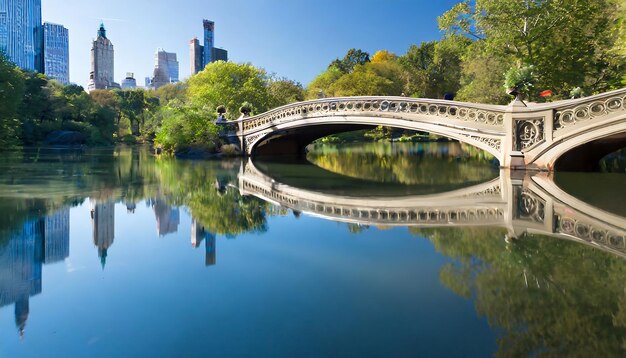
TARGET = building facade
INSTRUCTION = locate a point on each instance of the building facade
(165, 69)
(209, 40)
(21, 33)
(102, 63)
(219, 54)
(129, 82)
(196, 54)
(56, 52)
(202, 55)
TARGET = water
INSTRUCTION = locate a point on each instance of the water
(386, 250)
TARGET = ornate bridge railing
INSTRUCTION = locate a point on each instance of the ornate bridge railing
(521, 136)
(529, 205)
(587, 109)
(443, 111)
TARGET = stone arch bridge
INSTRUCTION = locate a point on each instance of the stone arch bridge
(520, 202)
(579, 132)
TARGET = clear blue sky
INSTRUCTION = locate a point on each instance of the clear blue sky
(296, 39)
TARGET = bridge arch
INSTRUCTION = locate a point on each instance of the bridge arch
(520, 136)
(481, 126)
(583, 133)
(298, 134)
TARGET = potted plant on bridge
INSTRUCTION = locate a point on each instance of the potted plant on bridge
(221, 110)
(245, 109)
(519, 81)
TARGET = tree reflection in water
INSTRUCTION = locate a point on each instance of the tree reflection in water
(546, 296)
(549, 297)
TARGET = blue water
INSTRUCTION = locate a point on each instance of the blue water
(132, 261)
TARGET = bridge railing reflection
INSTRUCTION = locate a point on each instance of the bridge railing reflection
(522, 202)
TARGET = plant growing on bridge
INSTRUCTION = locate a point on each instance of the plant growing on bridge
(577, 93)
(519, 81)
(221, 109)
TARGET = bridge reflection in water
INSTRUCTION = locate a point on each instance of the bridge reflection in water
(521, 202)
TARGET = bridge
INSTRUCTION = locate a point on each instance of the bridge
(521, 202)
(566, 135)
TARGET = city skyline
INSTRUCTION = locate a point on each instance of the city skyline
(283, 47)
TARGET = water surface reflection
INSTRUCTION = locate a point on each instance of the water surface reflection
(512, 262)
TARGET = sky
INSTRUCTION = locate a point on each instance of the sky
(296, 39)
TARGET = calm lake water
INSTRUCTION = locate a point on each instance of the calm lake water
(381, 250)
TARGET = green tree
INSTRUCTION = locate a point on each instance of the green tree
(229, 84)
(482, 76)
(381, 79)
(185, 126)
(569, 42)
(352, 58)
(284, 91)
(132, 105)
(434, 68)
(321, 85)
(11, 94)
(171, 91)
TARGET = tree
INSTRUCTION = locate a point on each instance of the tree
(569, 42)
(383, 56)
(482, 77)
(284, 91)
(369, 80)
(184, 125)
(171, 91)
(353, 58)
(36, 104)
(132, 104)
(11, 93)
(229, 84)
(321, 85)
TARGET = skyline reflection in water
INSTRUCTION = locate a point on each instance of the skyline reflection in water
(87, 265)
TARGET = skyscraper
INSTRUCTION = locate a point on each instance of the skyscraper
(201, 55)
(102, 63)
(209, 40)
(196, 55)
(165, 69)
(21, 33)
(56, 53)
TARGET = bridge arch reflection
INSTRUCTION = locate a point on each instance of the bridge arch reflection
(521, 202)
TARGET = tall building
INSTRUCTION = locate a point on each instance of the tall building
(219, 54)
(209, 40)
(196, 55)
(129, 82)
(56, 52)
(201, 55)
(165, 69)
(102, 63)
(21, 33)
